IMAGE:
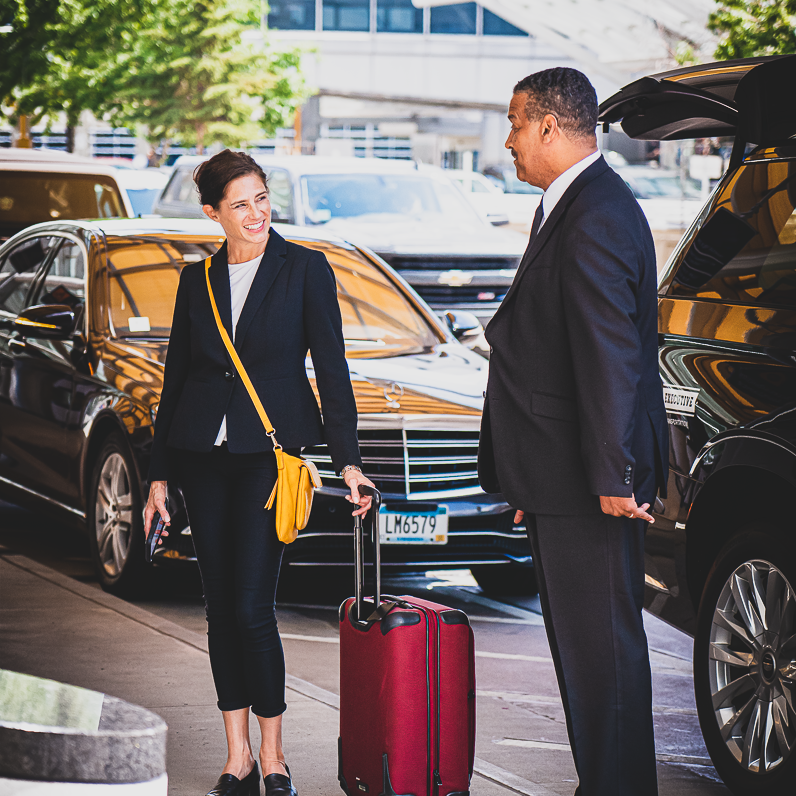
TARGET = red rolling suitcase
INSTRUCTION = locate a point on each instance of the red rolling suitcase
(407, 691)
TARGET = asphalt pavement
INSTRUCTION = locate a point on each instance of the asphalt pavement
(56, 622)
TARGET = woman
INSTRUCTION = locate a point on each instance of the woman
(277, 300)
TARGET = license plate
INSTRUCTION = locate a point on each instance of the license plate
(414, 527)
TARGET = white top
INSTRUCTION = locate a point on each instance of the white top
(241, 276)
(559, 185)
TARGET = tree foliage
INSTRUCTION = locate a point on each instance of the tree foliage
(190, 76)
(754, 27)
(58, 53)
(181, 69)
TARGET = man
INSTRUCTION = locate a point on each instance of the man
(574, 429)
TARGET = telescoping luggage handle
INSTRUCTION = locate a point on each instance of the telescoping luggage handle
(359, 558)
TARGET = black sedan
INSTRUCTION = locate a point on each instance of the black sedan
(85, 313)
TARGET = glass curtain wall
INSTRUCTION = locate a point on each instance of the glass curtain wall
(496, 26)
(455, 19)
(398, 16)
(392, 16)
(291, 14)
(346, 15)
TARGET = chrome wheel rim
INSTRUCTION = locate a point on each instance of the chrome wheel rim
(113, 515)
(752, 666)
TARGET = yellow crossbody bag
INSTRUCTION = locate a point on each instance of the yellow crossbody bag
(297, 479)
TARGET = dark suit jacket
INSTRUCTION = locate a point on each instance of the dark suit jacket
(291, 308)
(574, 404)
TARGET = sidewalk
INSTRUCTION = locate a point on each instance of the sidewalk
(56, 627)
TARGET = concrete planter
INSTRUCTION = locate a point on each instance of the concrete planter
(54, 736)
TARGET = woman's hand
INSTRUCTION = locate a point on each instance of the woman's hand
(353, 478)
(156, 502)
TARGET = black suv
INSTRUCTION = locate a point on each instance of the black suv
(721, 558)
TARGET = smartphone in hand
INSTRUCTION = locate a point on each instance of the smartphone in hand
(153, 537)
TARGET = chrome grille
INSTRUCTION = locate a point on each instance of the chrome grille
(416, 464)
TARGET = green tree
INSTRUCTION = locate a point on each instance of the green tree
(56, 55)
(754, 27)
(191, 77)
(180, 69)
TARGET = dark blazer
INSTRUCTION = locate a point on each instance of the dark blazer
(574, 403)
(291, 308)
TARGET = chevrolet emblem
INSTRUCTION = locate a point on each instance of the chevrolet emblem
(455, 278)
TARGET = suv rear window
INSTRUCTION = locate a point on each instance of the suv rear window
(746, 251)
(33, 197)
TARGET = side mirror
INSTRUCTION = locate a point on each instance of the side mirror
(49, 321)
(464, 326)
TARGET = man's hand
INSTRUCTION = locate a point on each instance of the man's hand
(518, 515)
(625, 507)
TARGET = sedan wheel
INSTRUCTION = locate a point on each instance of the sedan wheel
(113, 515)
(745, 666)
(115, 525)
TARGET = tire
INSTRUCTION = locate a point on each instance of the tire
(115, 524)
(510, 580)
(745, 663)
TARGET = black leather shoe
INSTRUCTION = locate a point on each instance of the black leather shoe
(279, 784)
(230, 785)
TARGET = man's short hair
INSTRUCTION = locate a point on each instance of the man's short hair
(565, 93)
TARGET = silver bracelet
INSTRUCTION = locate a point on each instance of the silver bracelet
(349, 467)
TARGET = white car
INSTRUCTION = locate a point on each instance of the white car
(668, 201)
(39, 185)
(484, 194)
(143, 187)
(409, 214)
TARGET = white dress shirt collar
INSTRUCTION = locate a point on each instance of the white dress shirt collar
(558, 187)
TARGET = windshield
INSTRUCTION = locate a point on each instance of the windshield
(330, 196)
(379, 319)
(33, 197)
(661, 186)
(142, 199)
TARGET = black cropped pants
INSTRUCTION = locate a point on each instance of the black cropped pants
(239, 557)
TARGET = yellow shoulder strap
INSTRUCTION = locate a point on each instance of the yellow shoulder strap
(258, 405)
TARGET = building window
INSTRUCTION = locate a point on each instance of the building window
(459, 18)
(398, 16)
(291, 14)
(495, 26)
(346, 15)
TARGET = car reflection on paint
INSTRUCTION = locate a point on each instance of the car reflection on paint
(85, 314)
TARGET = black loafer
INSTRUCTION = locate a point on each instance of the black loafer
(230, 785)
(279, 784)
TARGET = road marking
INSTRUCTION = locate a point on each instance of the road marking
(509, 656)
(558, 747)
(467, 596)
(506, 621)
(534, 699)
(506, 656)
(322, 639)
(508, 780)
(510, 697)
(564, 747)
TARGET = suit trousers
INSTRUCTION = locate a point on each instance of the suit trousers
(239, 556)
(590, 571)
